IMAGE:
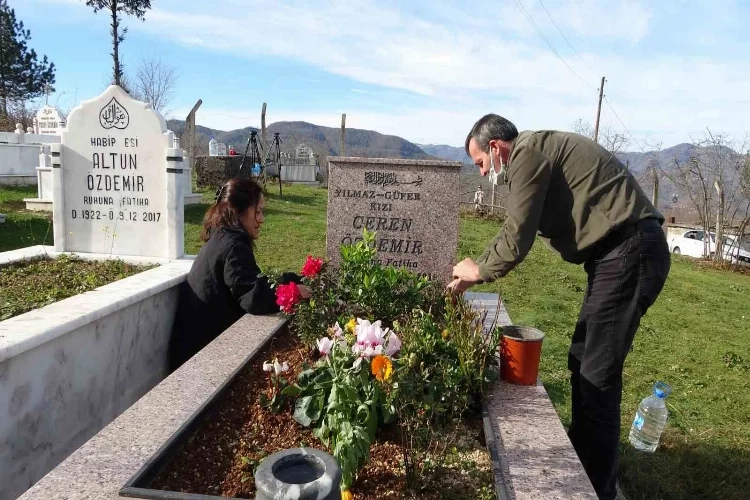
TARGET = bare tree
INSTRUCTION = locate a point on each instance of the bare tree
(714, 167)
(155, 83)
(652, 172)
(742, 213)
(22, 112)
(610, 140)
(126, 83)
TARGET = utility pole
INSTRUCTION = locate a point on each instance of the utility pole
(655, 193)
(190, 130)
(263, 127)
(342, 146)
(599, 112)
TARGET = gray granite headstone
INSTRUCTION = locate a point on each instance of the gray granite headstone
(412, 205)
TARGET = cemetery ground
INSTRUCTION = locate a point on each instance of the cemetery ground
(695, 338)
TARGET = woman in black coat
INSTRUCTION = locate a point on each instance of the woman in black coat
(224, 283)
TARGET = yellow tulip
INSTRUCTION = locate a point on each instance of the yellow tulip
(351, 325)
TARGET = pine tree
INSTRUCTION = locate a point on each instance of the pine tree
(22, 77)
(135, 8)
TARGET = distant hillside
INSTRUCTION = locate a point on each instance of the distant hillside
(323, 140)
(637, 163)
(446, 152)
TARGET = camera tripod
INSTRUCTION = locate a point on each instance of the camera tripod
(256, 167)
(275, 150)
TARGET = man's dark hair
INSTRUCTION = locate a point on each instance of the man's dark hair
(491, 127)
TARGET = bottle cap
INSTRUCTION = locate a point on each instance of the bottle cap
(662, 390)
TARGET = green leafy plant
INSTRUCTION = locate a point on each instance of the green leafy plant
(280, 389)
(324, 308)
(385, 292)
(360, 287)
(444, 362)
(342, 399)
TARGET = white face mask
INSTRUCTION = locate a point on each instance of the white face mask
(501, 176)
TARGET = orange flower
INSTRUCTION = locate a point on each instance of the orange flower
(382, 367)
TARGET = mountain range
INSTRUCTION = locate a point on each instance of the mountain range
(446, 152)
(324, 142)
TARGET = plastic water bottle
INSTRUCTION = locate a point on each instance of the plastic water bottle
(213, 147)
(650, 419)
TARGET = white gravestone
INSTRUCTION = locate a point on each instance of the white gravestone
(49, 121)
(118, 181)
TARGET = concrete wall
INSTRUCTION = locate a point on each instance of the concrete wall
(531, 453)
(298, 173)
(16, 138)
(19, 157)
(70, 368)
(213, 171)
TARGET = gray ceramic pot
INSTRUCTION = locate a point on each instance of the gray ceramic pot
(298, 474)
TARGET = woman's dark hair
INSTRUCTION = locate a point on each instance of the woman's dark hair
(491, 127)
(232, 199)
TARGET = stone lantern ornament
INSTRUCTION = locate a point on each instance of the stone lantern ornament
(298, 474)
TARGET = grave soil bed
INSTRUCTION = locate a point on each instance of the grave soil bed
(234, 436)
(29, 285)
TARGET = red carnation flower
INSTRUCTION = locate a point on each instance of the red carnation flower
(312, 267)
(287, 296)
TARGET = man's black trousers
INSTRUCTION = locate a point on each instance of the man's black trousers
(626, 273)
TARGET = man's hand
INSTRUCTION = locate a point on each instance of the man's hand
(467, 270)
(459, 286)
(466, 275)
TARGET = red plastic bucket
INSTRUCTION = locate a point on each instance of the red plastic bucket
(520, 351)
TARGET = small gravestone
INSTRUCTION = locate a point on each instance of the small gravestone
(49, 121)
(412, 205)
(118, 181)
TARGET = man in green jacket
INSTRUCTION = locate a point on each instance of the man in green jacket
(585, 205)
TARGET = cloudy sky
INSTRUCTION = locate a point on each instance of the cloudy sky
(426, 70)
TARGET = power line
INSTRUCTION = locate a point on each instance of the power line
(549, 44)
(623, 124)
(565, 38)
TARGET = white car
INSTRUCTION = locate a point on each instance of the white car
(691, 244)
(735, 252)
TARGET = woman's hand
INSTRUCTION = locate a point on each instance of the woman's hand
(304, 292)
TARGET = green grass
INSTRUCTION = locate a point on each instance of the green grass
(30, 285)
(295, 226)
(696, 338)
(22, 228)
